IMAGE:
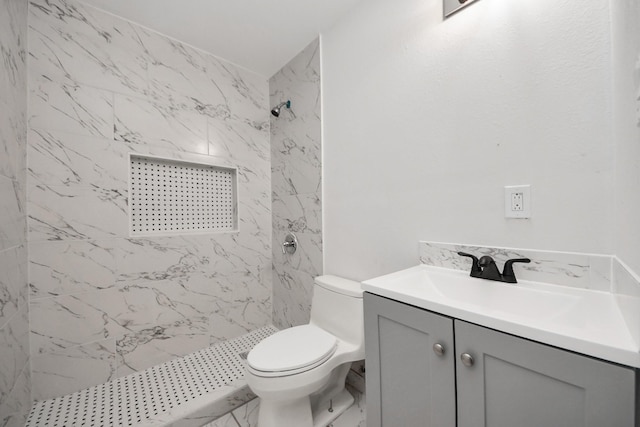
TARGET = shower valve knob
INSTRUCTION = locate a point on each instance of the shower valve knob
(290, 244)
(287, 245)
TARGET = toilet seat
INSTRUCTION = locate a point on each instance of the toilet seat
(291, 351)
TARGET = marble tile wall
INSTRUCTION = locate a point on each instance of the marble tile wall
(296, 190)
(15, 393)
(104, 304)
(589, 271)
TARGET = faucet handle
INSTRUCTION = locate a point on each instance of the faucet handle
(475, 264)
(507, 274)
(485, 261)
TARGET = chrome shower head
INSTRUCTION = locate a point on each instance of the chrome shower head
(276, 110)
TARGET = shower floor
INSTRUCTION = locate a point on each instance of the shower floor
(189, 391)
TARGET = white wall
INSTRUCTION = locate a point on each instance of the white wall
(626, 108)
(425, 121)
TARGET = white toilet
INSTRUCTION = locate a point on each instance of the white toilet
(299, 373)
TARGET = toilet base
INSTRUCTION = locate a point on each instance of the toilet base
(276, 413)
(298, 412)
(322, 417)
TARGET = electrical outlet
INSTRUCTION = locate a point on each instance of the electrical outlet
(517, 201)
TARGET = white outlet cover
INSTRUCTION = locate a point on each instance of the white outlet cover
(509, 191)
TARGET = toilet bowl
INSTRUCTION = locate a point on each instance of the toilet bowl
(299, 373)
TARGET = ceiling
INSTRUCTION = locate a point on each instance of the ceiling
(260, 35)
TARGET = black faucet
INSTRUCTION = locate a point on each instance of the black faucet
(486, 268)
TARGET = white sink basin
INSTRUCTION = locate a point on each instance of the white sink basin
(585, 321)
(496, 297)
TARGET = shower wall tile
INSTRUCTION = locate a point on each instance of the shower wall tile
(153, 259)
(194, 80)
(60, 323)
(245, 92)
(70, 107)
(296, 135)
(12, 140)
(15, 399)
(178, 258)
(14, 351)
(252, 218)
(63, 159)
(298, 213)
(13, 280)
(134, 308)
(12, 212)
(75, 368)
(165, 318)
(139, 307)
(75, 44)
(134, 315)
(159, 344)
(563, 268)
(75, 266)
(155, 292)
(103, 88)
(296, 181)
(13, 41)
(181, 75)
(301, 172)
(156, 123)
(62, 213)
(251, 179)
(15, 408)
(293, 280)
(239, 141)
(240, 315)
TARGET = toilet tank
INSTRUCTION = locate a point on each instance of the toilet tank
(338, 309)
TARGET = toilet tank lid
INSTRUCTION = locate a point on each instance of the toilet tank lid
(340, 285)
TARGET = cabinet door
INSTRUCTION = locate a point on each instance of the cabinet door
(517, 382)
(408, 384)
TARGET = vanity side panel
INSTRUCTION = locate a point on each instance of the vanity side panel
(637, 397)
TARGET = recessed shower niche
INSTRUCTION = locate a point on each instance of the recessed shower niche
(169, 196)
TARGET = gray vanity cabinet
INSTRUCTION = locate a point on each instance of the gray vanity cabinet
(488, 378)
(408, 384)
(516, 382)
